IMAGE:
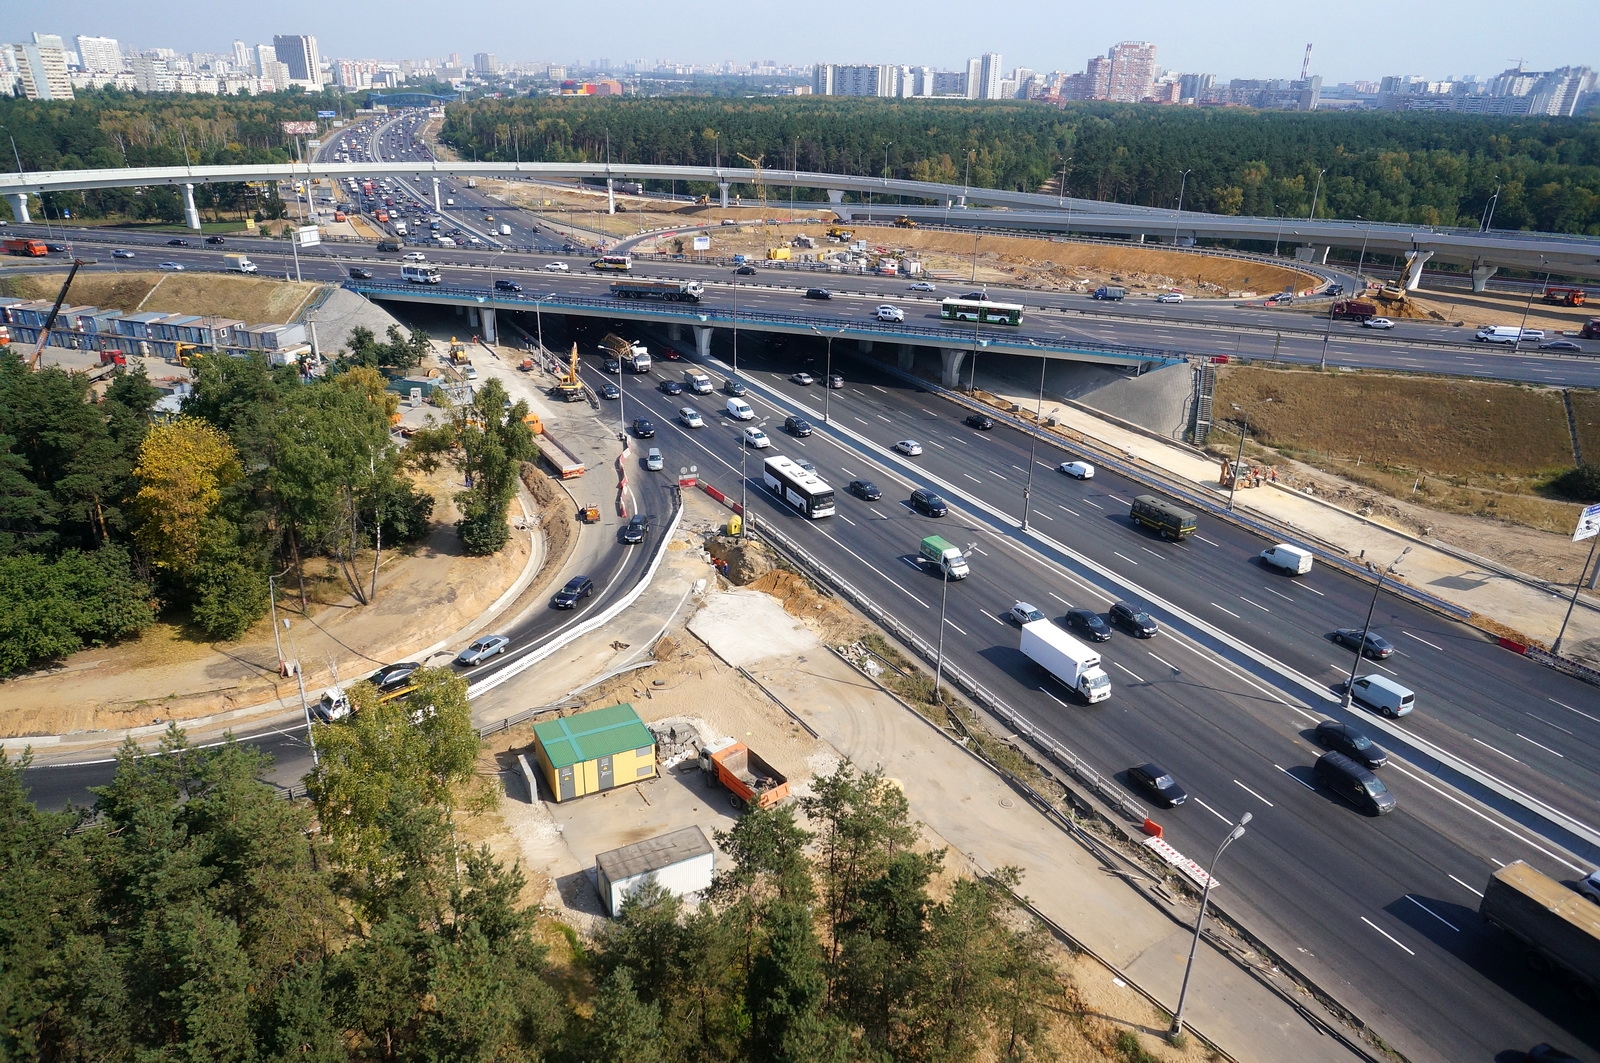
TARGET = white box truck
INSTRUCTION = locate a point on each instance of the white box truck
(505, 230)
(945, 556)
(239, 263)
(1293, 560)
(697, 382)
(1070, 661)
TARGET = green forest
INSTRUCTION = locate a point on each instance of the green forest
(194, 914)
(109, 519)
(1427, 169)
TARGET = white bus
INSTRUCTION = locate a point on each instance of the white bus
(803, 490)
(620, 263)
(981, 311)
(423, 274)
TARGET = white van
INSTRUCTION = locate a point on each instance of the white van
(1383, 694)
(1289, 559)
(505, 230)
(1499, 334)
(740, 410)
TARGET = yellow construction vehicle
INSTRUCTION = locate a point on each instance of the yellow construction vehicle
(568, 387)
(903, 222)
(458, 353)
(842, 235)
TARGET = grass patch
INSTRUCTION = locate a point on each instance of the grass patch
(249, 299)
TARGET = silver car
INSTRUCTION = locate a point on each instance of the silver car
(482, 650)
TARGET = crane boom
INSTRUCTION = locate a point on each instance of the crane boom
(50, 322)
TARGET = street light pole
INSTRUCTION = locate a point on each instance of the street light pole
(1368, 232)
(1327, 333)
(1205, 895)
(1183, 184)
(1033, 453)
(1350, 685)
(1244, 429)
(1555, 648)
(1526, 309)
(1315, 194)
(1488, 208)
(828, 372)
(1279, 238)
(938, 657)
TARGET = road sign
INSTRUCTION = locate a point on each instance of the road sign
(1588, 524)
(308, 236)
(702, 243)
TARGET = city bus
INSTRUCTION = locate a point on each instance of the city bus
(802, 489)
(620, 263)
(423, 274)
(983, 312)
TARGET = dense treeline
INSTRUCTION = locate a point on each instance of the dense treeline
(111, 129)
(1416, 168)
(107, 518)
(194, 914)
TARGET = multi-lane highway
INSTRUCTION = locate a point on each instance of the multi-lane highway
(1382, 910)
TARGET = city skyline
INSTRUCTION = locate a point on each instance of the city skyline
(1433, 39)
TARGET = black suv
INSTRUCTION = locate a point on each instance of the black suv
(215, 240)
(643, 428)
(733, 387)
(818, 293)
(797, 426)
(926, 502)
(577, 589)
(1342, 738)
(360, 273)
(978, 421)
(1135, 618)
(507, 286)
(178, 243)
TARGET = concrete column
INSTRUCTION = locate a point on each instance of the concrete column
(722, 186)
(908, 356)
(490, 332)
(1311, 253)
(961, 201)
(19, 207)
(702, 340)
(1414, 263)
(611, 196)
(1481, 275)
(950, 371)
(675, 332)
(472, 316)
(835, 195)
(1139, 239)
(192, 216)
(436, 195)
(865, 346)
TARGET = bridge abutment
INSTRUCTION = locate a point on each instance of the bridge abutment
(835, 195)
(1481, 275)
(675, 332)
(1414, 263)
(191, 215)
(950, 368)
(19, 207)
(1315, 254)
(702, 340)
(722, 187)
(908, 357)
(490, 333)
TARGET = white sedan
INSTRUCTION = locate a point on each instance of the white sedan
(909, 447)
(122, 252)
(178, 266)
(755, 437)
(922, 286)
(805, 380)
(1170, 297)
(690, 417)
(1078, 470)
(556, 267)
(1378, 322)
(891, 313)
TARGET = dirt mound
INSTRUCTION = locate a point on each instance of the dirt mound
(739, 560)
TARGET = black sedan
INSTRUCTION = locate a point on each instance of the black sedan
(215, 240)
(1552, 345)
(978, 421)
(818, 293)
(178, 243)
(360, 273)
(1342, 738)
(1089, 623)
(634, 531)
(58, 248)
(608, 390)
(797, 426)
(1376, 646)
(393, 676)
(643, 427)
(612, 366)
(1135, 618)
(1157, 784)
(865, 489)
(671, 387)
(745, 271)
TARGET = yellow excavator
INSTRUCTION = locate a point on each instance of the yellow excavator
(568, 387)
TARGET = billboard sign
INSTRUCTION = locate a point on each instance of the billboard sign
(327, 114)
(297, 129)
(1588, 524)
(308, 236)
(702, 243)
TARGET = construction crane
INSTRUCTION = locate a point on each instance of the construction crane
(761, 194)
(50, 322)
(1305, 64)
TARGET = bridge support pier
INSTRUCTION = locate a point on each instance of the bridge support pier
(908, 357)
(675, 332)
(472, 316)
(1312, 253)
(702, 340)
(835, 195)
(722, 187)
(19, 207)
(1414, 263)
(865, 346)
(611, 196)
(490, 333)
(436, 195)
(191, 216)
(1481, 275)
(950, 369)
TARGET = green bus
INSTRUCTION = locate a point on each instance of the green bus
(1162, 517)
(981, 311)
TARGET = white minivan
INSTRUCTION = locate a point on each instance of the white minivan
(1291, 560)
(740, 410)
(1499, 334)
(1383, 694)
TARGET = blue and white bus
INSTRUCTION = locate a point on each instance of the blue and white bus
(981, 311)
(799, 487)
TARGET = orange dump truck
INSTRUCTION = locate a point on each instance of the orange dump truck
(751, 781)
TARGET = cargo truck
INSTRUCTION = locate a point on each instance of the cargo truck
(697, 382)
(1068, 660)
(944, 556)
(27, 248)
(1353, 310)
(751, 781)
(670, 290)
(240, 263)
(635, 357)
(1555, 925)
(1106, 291)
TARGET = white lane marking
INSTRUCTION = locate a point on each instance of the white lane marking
(1524, 839)
(1385, 933)
(875, 387)
(1125, 557)
(1152, 553)
(1547, 723)
(847, 472)
(1469, 889)
(1135, 675)
(1230, 612)
(846, 519)
(975, 550)
(953, 624)
(1580, 712)
(1017, 467)
(999, 620)
(1169, 664)
(867, 423)
(1002, 476)
(1433, 913)
(974, 479)
(1060, 599)
(1045, 515)
(1055, 699)
(1259, 606)
(884, 419)
(1285, 597)
(963, 442)
(929, 412)
(1422, 640)
(1318, 593)
(1096, 505)
(1253, 794)
(1213, 811)
(941, 446)
(1203, 539)
(1074, 512)
(1115, 499)
(1302, 782)
(1531, 742)
(1502, 752)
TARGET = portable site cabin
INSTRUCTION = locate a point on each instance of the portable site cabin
(680, 863)
(594, 751)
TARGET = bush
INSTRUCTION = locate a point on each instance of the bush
(483, 533)
(51, 608)
(1581, 484)
(406, 513)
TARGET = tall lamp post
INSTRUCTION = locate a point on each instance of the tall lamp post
(1488, 208)
(1529, 307)
(1350, 685)
(1315, 194)
(827, 389)
(1368, 232)
(1199, 921)
(1584, 526)
(1033, 452)
(1183, 184)
(938, 657)
(1244, 429)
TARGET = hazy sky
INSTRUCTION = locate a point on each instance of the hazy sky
(1228, 38)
